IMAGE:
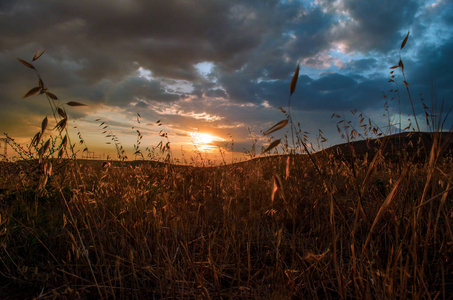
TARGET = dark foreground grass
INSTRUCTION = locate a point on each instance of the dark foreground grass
(163, 231)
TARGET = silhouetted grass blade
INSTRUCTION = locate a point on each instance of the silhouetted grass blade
(276, 127)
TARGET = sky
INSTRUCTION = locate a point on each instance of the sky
(214, 73)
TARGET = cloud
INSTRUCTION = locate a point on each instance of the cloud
(333, 82)
(361, 65)
(136, 88)
(216, 93)
(371, 25)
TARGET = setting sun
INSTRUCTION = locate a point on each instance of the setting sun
(204, 140)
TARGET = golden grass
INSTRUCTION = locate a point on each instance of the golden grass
(171, 232)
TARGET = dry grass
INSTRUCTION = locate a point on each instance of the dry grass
(165, 231)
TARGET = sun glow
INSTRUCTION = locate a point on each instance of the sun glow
(204, 141)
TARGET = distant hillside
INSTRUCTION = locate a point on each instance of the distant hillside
(415, 145)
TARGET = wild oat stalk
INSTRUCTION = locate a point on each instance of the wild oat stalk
(109, 134)
(406, 84)
(164, 147)
(58, 111)
(300, 140)
(81, 140)
(137, 150)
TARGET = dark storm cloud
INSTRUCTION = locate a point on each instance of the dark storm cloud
(434, 63)
(331, 92)
(431, 76)
(134, 88)
(89, 43)
(312, 28)
(360, 65)
(333, 82)
(167, 37)
(6, 6)
(141, 104)
(239, 87)
(216, 93)
(372, 25)
(439, 13)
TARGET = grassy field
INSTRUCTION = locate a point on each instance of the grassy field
(365, 226)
